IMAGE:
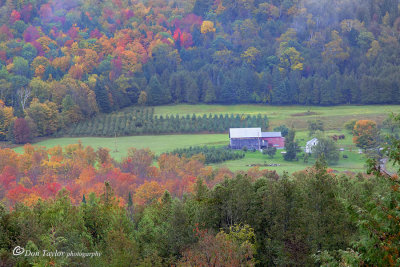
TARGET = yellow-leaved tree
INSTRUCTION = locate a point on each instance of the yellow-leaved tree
(335, 50)
(207, 26)
(250, 55)
(45, 115)
(6, 118)
(290, 58)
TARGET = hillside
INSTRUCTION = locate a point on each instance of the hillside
(130, 105)
(62, 62)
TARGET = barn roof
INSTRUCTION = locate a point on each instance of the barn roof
(244, 132)
(312, 141)
(271, 134)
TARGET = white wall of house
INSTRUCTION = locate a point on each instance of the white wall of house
(310, 144)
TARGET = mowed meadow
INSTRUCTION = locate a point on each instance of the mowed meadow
(156, 143)
(333, 116)
(296, 116)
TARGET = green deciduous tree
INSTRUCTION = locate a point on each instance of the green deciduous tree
(21, 67)
(283, 129)
(327, 149)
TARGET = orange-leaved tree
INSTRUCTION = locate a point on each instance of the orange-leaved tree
(365, 134)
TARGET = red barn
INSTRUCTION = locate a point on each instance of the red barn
(273, 139)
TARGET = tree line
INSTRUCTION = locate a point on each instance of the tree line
(143, 121)
(211, 154)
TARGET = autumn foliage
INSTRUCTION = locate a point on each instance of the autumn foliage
(221, 249)
(22, 132)
(101, 55)
(41, 173)
(365, 134)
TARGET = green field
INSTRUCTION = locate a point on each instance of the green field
(354, 163)
(157, 144)
(333, 117)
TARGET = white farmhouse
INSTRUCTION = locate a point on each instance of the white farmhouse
(310, 144)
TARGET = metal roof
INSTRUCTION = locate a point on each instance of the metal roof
(244, 132)
(271, 134)
(312, 141)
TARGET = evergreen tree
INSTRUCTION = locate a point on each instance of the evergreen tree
(156, 93)
(192, 91)
(326, 213)
(279, 88)
(227, 94)
(102, 96)
(208, 92)
(291, 146)
(130, 201)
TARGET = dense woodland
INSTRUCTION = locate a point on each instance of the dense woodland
(183, 213)
(64, 61)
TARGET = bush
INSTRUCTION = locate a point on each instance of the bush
(212, 154)
(283, 129)
(349, 126)
(270, 151)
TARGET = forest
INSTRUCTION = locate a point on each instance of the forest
(63, 62)
(99, 67)
(183, 213)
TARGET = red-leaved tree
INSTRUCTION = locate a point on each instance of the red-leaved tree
(22, 131)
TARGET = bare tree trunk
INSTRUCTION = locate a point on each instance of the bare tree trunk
(23, 95)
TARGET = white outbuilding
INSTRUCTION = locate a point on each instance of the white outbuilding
(310, 145)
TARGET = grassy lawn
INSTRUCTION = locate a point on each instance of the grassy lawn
(334, 117)
(355, 163)
(302, 137)
(157, 144)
